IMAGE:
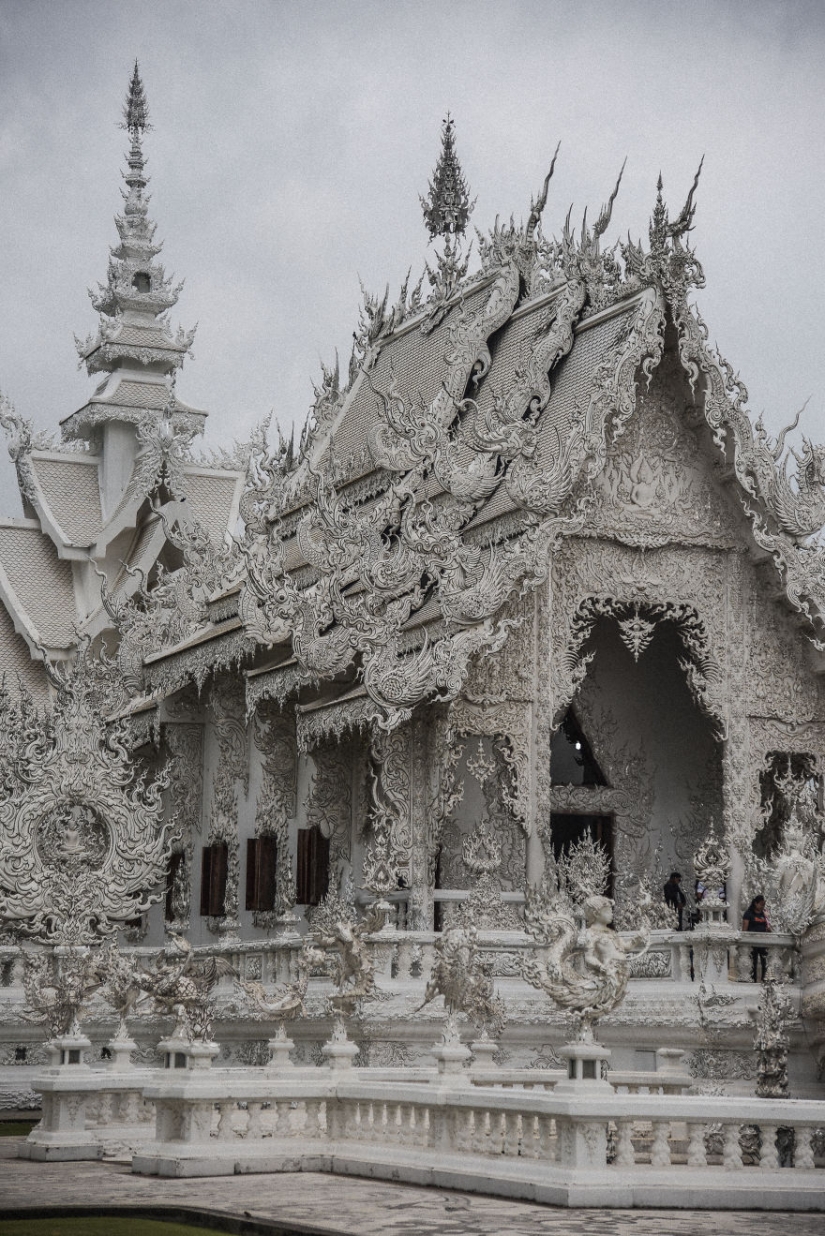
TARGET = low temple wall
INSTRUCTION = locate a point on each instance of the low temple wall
(525, 1134)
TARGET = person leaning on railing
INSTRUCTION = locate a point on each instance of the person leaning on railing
(674, 897)
(755, 918)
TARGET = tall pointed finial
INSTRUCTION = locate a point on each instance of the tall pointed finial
(658, 222)
(537, 206)
(136, 109)
(447, 208)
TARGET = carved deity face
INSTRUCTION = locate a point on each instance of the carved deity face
(598, 910)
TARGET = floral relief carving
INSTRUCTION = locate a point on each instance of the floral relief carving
(85, 846)
(687, 588)
(388, 853)
(653, 490)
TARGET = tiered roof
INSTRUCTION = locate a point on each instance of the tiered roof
(475, 432)
(89, 505)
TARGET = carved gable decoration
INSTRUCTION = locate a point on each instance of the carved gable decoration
(656, 486)
(83, 847)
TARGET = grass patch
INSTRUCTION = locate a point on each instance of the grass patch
(16, 1128)
(102, 1225)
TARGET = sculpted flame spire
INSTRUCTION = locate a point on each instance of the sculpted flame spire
(136, 109)
(447, 209)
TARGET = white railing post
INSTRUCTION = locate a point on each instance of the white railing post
(625, 1152)
(803, 1155)
(731, 1150)
(768, 1154)
(697, 1155)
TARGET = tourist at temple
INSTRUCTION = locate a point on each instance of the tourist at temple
(755, 918)
(674, 896)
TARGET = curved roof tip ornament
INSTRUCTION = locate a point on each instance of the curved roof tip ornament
(606, 214)
(661, 228)
(537, 206)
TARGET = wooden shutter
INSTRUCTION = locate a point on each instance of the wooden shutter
(313, 867)
(213, 879)
(261, 859)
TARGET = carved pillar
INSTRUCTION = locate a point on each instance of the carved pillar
(274, 735)
(542, 710)
(388, 854)
(736, 791)
(227, 709)
(184, 746)
(423, 792)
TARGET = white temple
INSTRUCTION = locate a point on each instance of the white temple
(425, 706)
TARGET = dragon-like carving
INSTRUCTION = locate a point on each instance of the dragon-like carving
(180, 980)
(336, 931)
(797, 503)
(460, 975)
(288, 1001)
(58, 989)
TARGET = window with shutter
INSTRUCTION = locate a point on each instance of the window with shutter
(261, 858)
(313, 867)
(213, 879)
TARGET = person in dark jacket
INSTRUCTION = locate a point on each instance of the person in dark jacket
(755, 918)
(674, 896)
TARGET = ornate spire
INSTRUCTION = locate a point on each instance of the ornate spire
(447, 208)
(136, 109)
(134, 342)
(136, 122)
(137, 291)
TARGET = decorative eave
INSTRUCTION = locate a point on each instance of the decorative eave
(130, 397)
(106, 354)
(195, 658)
(81, 425)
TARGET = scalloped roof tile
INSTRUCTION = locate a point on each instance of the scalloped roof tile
(41, 582)
(71, 489)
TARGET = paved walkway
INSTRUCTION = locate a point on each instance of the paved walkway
(342, 1206)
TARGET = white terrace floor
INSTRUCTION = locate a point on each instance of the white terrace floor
(340, 1206)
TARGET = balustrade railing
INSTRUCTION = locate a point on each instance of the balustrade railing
(398, 1122)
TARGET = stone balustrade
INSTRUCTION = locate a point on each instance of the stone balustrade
(583, 1148)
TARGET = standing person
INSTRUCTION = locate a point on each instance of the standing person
(755, 918)
(674, 896)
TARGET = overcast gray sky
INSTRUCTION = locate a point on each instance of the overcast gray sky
(291, 141)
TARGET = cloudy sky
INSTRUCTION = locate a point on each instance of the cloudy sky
(292, 138)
